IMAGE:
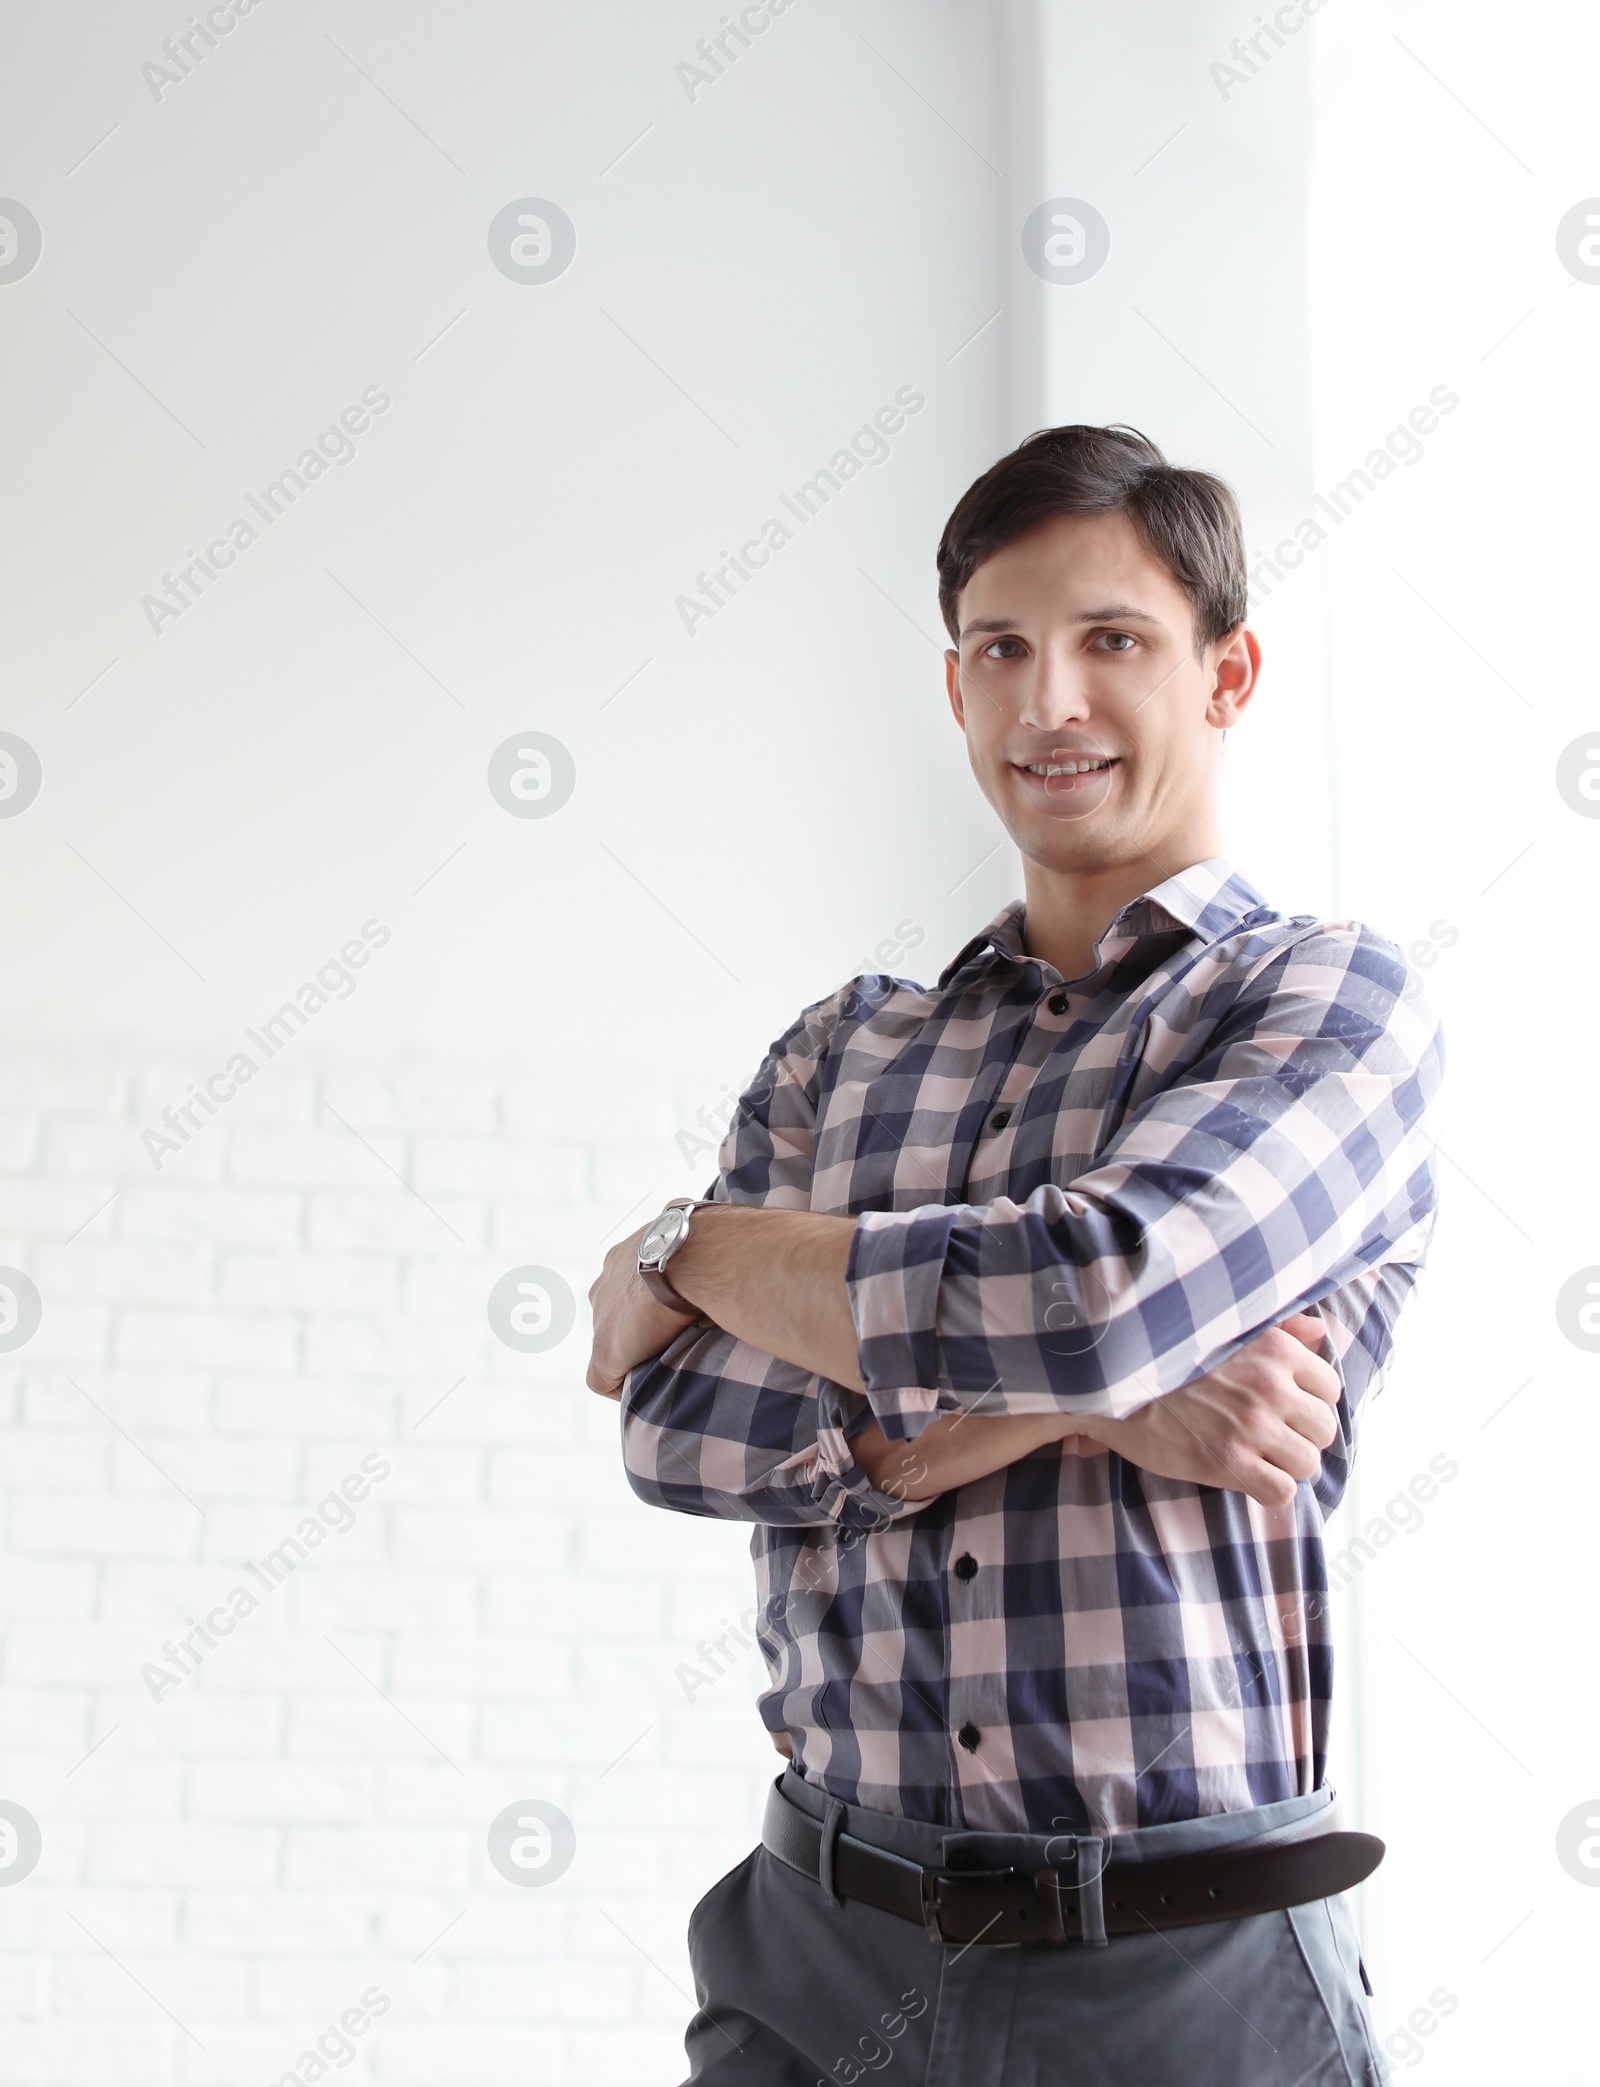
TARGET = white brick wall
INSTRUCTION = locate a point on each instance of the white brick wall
(231, 1867)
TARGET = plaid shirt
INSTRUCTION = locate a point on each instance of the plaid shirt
(1073, 1196)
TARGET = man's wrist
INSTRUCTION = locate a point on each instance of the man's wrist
(776, 1279)
(695, 1261)
(660, 1247)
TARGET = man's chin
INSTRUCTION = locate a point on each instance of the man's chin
(1066, 845)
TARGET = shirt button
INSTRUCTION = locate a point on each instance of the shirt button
(966, 1566)
(1058, 1003)
(969, 1735)
(1000, 1119)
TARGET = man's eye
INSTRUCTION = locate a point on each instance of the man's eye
(1117, 640)
(994, 649)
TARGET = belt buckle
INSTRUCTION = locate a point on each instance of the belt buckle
(994, 1907)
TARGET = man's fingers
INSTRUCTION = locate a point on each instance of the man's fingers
(1317, 1377)
(1271, 1487)
(1290, 1349)
(1232, 1466)
(1255, 1476)
(1295, 1454)
(1305, 1326)
(1247, 1472)
(607, 1387)
(1311, 1417)
(1313, 1372)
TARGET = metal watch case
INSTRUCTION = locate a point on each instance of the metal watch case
(662, 1239)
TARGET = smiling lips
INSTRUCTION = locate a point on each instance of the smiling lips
(1072, 774)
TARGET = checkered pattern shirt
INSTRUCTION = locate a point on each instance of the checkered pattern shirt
(1072, 1196)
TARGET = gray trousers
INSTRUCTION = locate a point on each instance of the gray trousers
(796, 1990)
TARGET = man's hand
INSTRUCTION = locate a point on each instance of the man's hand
(1256, 1424)
(629, 1324)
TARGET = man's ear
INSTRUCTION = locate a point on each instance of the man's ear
(1236, 668)
(952, 682)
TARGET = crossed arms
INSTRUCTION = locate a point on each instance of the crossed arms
(776, 1281)
(1227, 1273)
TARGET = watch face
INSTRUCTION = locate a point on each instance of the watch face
(663, 1234)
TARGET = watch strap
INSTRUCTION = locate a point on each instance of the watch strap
(662, 1291)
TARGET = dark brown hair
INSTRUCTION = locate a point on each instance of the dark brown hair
(1187, 519)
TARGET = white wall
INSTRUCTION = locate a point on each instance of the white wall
(508, 1084)
(519, 1071)
(1461, 665)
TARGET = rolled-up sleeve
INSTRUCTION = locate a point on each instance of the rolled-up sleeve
(714, 1427)
(711, 1425)
(1287, 1161)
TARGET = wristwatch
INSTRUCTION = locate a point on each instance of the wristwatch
(660, 1241)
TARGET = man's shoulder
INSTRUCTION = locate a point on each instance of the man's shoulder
(1306, 948)
(1339, 978)
(871, 998)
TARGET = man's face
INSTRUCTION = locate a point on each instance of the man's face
(1076, 648)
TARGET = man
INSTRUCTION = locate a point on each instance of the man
(1027, 1321)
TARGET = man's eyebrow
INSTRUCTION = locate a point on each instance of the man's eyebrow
(1118, 612)
(1109, 612)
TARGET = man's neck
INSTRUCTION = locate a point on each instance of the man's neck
(1069, 910)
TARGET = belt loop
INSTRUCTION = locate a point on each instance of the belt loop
(1091, 1903)
(832, 1822)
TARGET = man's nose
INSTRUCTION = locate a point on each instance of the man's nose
(1057, 691)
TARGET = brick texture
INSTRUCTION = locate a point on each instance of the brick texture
(299, 1812)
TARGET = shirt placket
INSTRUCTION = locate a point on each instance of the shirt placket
(975, 1553)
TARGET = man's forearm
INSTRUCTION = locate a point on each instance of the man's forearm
(774, 1278)
(957, 1449)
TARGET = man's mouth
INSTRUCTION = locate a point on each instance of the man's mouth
(1087, 764)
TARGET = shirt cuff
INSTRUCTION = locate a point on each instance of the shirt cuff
(949, 1308)
(842, 1489)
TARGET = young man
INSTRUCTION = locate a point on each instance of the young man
(1027, 1321)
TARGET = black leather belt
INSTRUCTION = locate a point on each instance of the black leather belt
(1079, 1900)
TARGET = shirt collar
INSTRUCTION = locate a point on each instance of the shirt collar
(1209, 898)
